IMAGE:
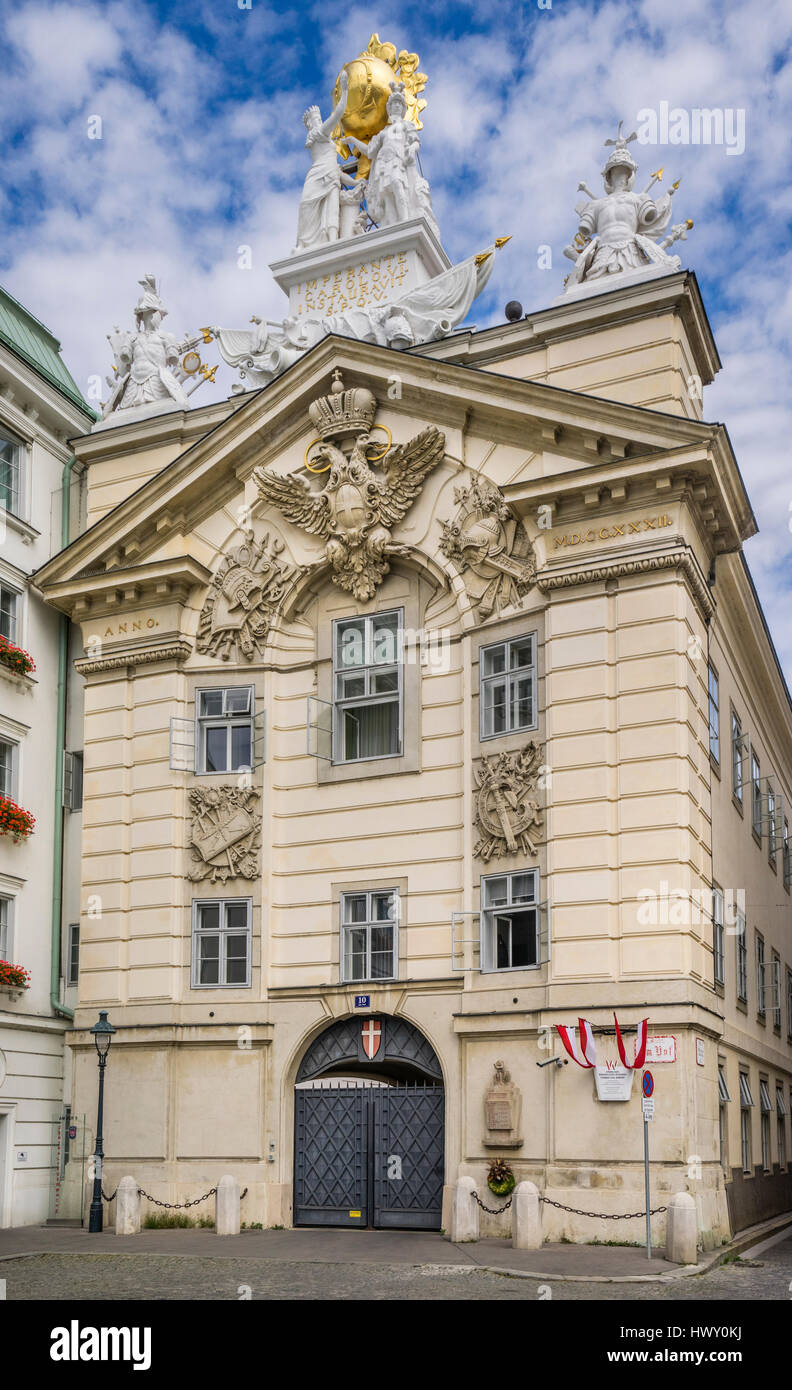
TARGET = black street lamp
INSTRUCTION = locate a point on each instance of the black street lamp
(102, 1036)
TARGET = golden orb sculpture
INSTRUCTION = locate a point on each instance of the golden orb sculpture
(370, 76)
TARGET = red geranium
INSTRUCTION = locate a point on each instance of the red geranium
(16, 658)
(14, 976)
(14, 820)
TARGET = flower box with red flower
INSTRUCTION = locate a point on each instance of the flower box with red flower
(13, 978)
(15, 820)
(15, 658)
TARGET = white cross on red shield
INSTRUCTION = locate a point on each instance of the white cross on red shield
(372, 1037)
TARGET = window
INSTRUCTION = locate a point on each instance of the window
(6, 925)
(9, 613)
(510, 921)
(756, 796)
(225, 729)
(746, 1101)
(775, 986)
(369, 924)
(8, 768)
(772, 839)
(723, 1125)
(781, 1126)
(221, 942)
(760, 975)
(737, 757)
(787, 868)
(72, 781)
(714, 716)
(10, 474)
(717, 935)
(742, 959)
(765, 1109)
(789, 1002)
(73, 962)
(507, 687)
(367, 676)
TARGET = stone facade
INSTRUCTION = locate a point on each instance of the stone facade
(630, 580)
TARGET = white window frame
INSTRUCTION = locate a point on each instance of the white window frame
(756, 795)
(746, 1101)
(775, 985)
(781, 1126)
(785, 855)
(723, 1118)
(510, 677)
(368, 926)
(7, 927)
(223, 930)
(72, 793)
(370, 668)
(772, 839)
(490, 915)
(713, 698)
(13, 744)
(17, 595)
(227, 720)
(72, 941)
(718, 961)
(737, 757)
(761, 976)
(742, 958)
(18, 464)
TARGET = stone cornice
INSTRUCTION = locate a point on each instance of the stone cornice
(153, 584)
(134, 656)
(681, 558)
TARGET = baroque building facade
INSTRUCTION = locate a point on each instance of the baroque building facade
(428, 704)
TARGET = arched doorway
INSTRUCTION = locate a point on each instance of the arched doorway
(369, 1127)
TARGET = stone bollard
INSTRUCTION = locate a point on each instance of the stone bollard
(227, 1207)
(681, 1230)
(464, 1211)
(526, 1217)
(127, 1212)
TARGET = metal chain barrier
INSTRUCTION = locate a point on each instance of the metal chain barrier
(491, 1211)
(111, 1198)
(175, 1206)
(576, 1211)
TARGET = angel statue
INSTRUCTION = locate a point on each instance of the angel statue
(396, 190)
(619, 232)
(319, 217)
(357, 508)
(149, 368)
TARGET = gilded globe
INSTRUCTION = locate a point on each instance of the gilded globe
(369, 89)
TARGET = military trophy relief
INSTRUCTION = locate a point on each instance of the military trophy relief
(489, 547)
(224, 834)
(248, 587)
(153, 370)
(369, 488)
(507, 815)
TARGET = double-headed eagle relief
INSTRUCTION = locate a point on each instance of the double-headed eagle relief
(358, 507)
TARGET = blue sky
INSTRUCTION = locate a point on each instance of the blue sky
(202, 151)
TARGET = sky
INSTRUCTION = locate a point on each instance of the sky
(202, 152)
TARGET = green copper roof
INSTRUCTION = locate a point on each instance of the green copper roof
(34, 343)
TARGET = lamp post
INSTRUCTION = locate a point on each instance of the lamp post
(102, 1036)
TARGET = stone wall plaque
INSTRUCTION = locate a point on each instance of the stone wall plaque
(502, 1111)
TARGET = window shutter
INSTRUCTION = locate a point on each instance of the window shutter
(776, 986)
(182, 744)
(319, 728)
(544, 932)
(259, 738)
(68, 780)
(466, 944)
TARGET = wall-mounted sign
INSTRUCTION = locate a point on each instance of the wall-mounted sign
(647, 1084)
(700, 1051)
(660, 1049)
(362, 1001)
(614, 1082)
(648, 1108)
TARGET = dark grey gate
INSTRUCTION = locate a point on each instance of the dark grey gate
(369, 1156)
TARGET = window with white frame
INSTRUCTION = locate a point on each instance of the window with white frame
(9, 613)
(760, 974)
(785, 855)
(6, 927)
(765, 1110)
(746, 1101)
(723, 1119)
(8, 768)
(742, 958)
(367, 687)
(756, 796)
(772, 843)
(714, 715)
(221, 942)
(737, 756)
(775, 988)
(717, 935)
(225, 729)
(72, 792)
(507, 686)
(73, 958)
(510, 921)
(369, 934)
(789, 1001)
(781, 1126)
(11, 456)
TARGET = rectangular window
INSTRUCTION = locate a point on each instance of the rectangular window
(760, 975)
(772, 839)
(6, 928)
(72, 781)
(221, 943)
(737, 757)
(507, 687)
(367, 694)
(369, 927)
(9, 613)
(510, 921)
(717, 935)
(781, 1126)
(746, 1101)
(723, 1125)
(765, 1111)
(775, 987)
(8, 768)
(742, 959)
(11, 452)
(756, 796)
(789, 1002)
(787, 866)
(714, 716)
(73, 962)
(225, 729)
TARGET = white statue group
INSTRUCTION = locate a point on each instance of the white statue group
(618, 234)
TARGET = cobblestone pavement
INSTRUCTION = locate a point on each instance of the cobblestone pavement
(167, 1277)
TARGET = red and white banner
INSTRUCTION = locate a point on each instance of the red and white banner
(640, 1045)
(584, 1054)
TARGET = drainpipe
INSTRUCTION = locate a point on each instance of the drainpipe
(60, 744)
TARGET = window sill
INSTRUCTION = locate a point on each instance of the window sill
(742, 1005)
(772, 864)
(20, 679)
(737, 804)
(23, 528)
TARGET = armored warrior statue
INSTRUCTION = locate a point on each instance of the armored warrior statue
(149, 368)
(396, 190)
(619, 232)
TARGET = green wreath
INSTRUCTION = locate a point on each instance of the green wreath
(500, 1178)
